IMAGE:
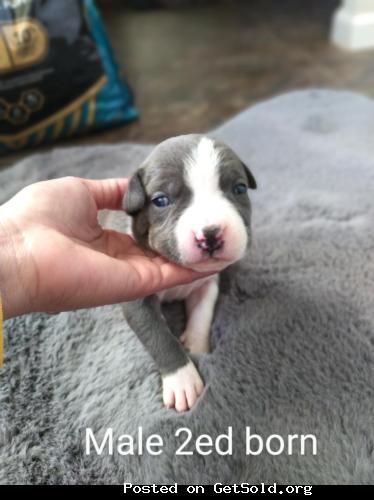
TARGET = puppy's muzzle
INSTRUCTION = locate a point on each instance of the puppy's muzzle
(210, 239)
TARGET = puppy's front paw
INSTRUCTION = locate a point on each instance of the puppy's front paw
(182, 388)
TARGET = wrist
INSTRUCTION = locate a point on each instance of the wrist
(13, 268)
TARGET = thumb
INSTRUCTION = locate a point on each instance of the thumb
(107, 193)
(172, 274)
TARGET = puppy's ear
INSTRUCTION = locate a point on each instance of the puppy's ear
(251, 180)
(135, 197)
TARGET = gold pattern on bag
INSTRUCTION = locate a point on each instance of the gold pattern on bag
(22, 43)
(5, 61)
(19, 139)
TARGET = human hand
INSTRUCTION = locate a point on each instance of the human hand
(55, 256)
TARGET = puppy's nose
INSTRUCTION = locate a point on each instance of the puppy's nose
(210, 239)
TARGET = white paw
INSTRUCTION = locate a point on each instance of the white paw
(182, 388)
(195, 344)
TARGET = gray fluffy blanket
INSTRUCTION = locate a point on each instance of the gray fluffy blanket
(293, 334)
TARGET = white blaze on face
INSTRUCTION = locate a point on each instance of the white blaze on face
(208, 207)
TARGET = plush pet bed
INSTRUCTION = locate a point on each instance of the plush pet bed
(293, 335)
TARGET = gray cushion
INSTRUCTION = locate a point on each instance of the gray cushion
(293, 334)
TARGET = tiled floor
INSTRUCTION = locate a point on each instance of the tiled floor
(191, 68)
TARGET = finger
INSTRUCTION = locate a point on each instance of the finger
(174, 275)
(121, 279)
(107, 193)
(120, 245)
(153, 273)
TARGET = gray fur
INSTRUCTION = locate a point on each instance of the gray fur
(232, 168)
(231, 173)
(163, 172)
(146, 320)
(135, 198)
(292, 337)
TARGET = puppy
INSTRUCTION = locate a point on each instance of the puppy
(189, 203)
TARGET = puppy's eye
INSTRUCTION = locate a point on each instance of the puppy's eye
(239, 188)
(161, 201)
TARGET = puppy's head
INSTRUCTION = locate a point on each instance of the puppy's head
(189, 203)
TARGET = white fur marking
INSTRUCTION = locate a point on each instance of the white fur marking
(180, 292)
(200, 308)
(202, 169)
(182, 388)
(209, 207)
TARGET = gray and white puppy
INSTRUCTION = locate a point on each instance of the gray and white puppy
(189, 203)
